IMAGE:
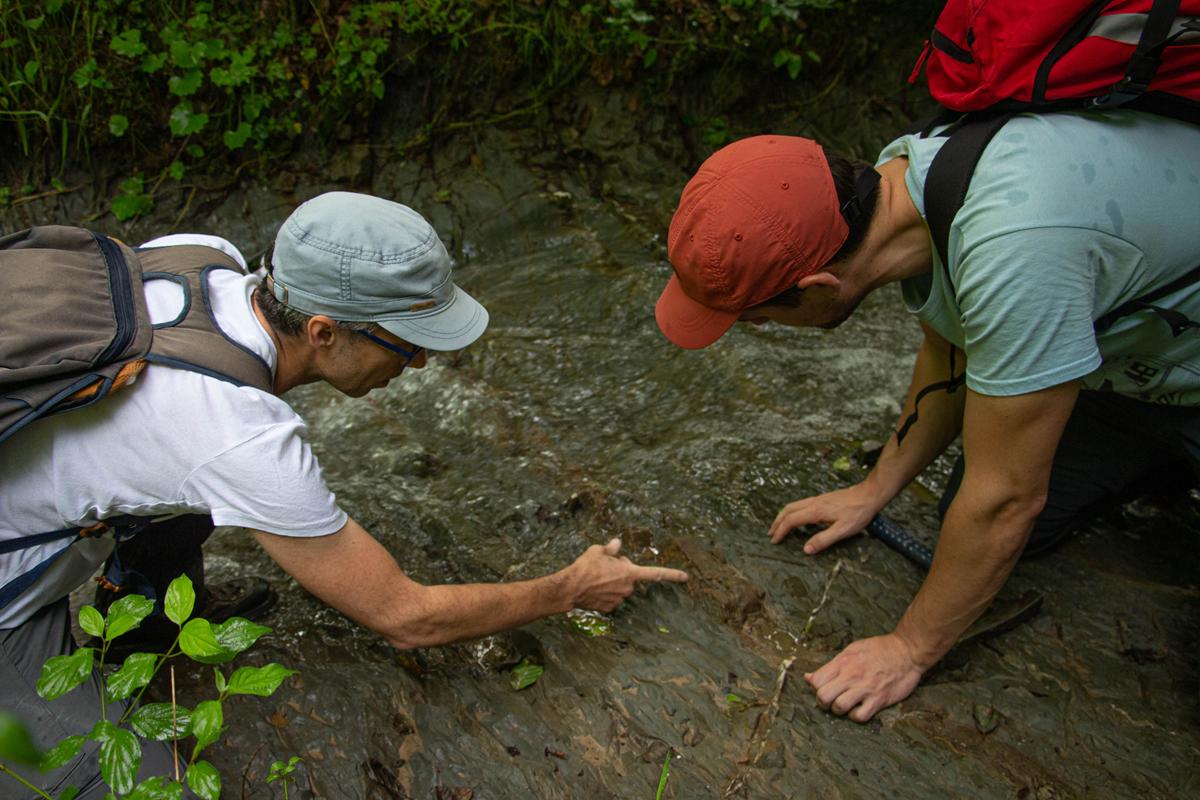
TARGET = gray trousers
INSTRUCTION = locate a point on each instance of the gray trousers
(23, 651)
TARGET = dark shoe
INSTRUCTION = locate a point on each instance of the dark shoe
(250, 598)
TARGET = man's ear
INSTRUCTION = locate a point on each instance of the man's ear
(321, 331)
(819, 279)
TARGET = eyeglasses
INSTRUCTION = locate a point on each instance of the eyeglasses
(409, 355)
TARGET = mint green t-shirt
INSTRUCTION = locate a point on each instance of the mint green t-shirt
(1068, 216)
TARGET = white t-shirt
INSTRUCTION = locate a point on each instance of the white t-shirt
(175, 442)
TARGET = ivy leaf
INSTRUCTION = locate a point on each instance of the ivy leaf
(135, 673)
(198, 641)
(61, 674)
(153, 62)
(120, 757)
(207, 721)
(185, 121)
(204, 780)
(261, 681)
(15, 742)
(237, 137)
(526, 674)
(128, 612)
(128, 206)
(237, 634)
(92, 621)
(180, 599)
(187, 84)
(157, 721)
(61, 753)
(128, 43)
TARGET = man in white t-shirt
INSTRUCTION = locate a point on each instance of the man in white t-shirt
(359, 289)
(1072, 220)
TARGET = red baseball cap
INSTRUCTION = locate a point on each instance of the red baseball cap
(759, 215)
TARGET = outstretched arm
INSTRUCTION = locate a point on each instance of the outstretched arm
(847, 511)
(1008, 446)
(352, 572)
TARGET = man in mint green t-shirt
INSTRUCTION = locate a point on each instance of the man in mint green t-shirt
(1069, 217)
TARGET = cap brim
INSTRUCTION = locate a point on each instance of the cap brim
(452, 326)
(689, 324)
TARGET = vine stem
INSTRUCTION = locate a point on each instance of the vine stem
(6, 771)
(174, 728)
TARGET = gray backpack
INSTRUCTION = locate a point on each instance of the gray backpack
(74, 325)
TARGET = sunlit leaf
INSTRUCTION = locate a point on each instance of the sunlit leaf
(207, 720)
(204, 780)
(180, 600)
(198, 641)
(237, 634)
(91, 620)
(61, 753)
(135, 673)
(156, 788)
(160, 722)
(261, 681)
(61, 674)
(120, 757)
(128, 612)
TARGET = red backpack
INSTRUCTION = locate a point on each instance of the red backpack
(1018, 54)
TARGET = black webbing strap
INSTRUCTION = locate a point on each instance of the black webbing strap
(950, 386)
(1143, 64)
(1178, 322)
(864, 184)
(949, 176)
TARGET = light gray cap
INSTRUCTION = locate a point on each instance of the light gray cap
(358, 258)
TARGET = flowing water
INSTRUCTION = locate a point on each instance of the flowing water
(573, 421)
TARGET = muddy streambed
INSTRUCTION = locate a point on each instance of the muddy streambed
(573, 421)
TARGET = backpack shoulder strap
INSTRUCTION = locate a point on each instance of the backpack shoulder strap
(194, 340)
(950, 176)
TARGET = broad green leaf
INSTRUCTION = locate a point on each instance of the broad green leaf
(180, 600)
(120, 757)
(118, 124)
(525, 674)
(31, 70)
(102, 731)
(155, 721)
(156, 788)
(184, 121)
(33, 23)
(135, 673)
(91, 621)
(61, 674)
(128, 612)
(153, 62)
(128, 206)
(176, 170)
(198, 641)
(69, 793)
(207, 721)
(15, 742)
(204, 780)
(261, 681)
(237, 137)
(128, 43)
(61, 753)
(187, 84)
(237, 634)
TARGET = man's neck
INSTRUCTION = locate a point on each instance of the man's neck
(289, 370)
(897, 243)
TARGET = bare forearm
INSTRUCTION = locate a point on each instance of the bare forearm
(937, 424)
(453, 612)
(980, 543)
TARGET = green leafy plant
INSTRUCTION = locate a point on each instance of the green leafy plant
(120, 736)
(526, 674)
(282, 772)
(662, 777)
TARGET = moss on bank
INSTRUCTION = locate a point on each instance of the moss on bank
(172, 91)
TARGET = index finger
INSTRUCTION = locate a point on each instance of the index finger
(659, 574)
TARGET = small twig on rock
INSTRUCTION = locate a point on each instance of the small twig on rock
(824, 598)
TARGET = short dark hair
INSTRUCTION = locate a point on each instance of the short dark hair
(845, 172)
(287, 321)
